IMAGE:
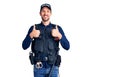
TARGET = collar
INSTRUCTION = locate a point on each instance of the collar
(46, 25)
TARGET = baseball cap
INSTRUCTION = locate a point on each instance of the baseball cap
(45, 5)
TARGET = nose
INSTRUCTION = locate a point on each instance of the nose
(45, 13)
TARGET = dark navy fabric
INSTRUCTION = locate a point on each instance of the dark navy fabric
(63, 41)
(27, 41)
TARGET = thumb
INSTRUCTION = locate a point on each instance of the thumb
(34, 28)
(57, 27)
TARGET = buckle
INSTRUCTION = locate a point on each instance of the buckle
(39, 65)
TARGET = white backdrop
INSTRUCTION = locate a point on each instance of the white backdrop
(91, 26)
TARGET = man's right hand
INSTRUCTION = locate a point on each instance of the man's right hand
(35, 33)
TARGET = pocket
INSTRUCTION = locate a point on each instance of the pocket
(39, 71)
(38, 46)
(51, 59)
(51, 44)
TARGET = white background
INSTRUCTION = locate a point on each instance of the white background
(91, 26)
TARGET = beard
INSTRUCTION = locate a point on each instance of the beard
(45, 20)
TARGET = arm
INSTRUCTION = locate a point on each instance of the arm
(27, 41)
(63, 41)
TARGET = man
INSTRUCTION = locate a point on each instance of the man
(44, 39)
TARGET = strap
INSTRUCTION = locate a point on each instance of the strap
(51, 70)
(52, 67)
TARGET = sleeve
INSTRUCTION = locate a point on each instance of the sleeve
(63, 41)
(27, 41)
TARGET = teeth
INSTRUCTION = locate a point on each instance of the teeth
(45, 16)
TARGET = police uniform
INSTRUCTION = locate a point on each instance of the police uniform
(45, 50)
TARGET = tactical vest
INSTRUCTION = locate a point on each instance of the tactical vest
(45, 47)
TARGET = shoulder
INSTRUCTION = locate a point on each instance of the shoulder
(31, 27)
(37, 26)
(54, 25)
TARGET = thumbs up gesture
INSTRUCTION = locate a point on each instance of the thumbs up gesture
(56, 33)
(35, 33)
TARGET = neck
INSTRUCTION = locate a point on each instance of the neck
(46, 23)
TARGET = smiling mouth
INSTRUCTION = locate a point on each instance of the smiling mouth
(45, 16)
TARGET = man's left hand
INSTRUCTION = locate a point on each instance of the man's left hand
(56, 33)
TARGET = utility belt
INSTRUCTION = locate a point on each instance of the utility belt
(56, 60)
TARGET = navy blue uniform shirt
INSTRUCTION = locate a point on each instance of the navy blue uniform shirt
(63, 41)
